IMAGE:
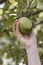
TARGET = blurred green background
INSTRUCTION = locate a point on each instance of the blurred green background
(11, 50)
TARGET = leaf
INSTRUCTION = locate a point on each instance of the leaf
(8, 23)
(1, 11)
(40, 35)
(21, 5)
(6, 7)
(13, 3)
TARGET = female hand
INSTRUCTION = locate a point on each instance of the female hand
(27, 40)
(30, 44)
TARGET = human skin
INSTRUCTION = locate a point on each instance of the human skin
(30, 44)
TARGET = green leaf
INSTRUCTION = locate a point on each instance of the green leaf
(40, 35)
(21, 5)
(8, 23)
(6, 7)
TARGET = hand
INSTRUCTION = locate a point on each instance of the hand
(30, 43)
(27, 40)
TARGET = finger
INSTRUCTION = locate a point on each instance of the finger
(18, 34)
(14, 27)
(17, 30)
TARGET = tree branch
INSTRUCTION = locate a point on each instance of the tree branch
(29, 14)
(28, 6)
(33, 13)
(41, 22)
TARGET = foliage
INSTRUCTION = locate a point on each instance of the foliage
(33, 9)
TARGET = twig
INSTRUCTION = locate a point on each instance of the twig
(28, 6)
(29, 14)
(33, 13)
(40, 22)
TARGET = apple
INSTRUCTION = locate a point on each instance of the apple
(25, 25)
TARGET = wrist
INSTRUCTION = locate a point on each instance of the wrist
(32, 55)
(31, 48)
